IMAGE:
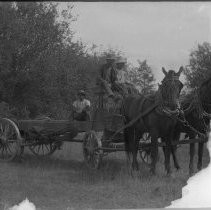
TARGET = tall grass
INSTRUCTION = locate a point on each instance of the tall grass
(63, 181)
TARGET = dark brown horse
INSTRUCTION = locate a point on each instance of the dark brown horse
(197, 110)
(153, 120)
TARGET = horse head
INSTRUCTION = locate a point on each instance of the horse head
(170, 89)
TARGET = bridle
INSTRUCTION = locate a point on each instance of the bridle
(198, 105)
(162, 108)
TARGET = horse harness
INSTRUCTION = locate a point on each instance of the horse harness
(142, 114)
(197, 105)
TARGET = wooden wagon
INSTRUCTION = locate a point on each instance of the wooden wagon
(43, 137)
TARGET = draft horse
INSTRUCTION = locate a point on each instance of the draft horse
(197, 112)
(150, 116)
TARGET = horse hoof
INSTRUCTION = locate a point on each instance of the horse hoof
(135, 174)
(191, 172)
(199, 167)
(168, 173)
(152, 172)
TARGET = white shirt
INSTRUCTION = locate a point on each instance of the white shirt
(121, 76)
(80, 105)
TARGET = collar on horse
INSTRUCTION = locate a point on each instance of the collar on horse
(163, 109)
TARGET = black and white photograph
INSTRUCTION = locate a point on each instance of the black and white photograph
(105, 105)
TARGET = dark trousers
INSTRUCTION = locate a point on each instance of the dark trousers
(83, 116)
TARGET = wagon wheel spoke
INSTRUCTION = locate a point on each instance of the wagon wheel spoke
(48, 147)
(10, 140)
(5, 149)
(43, 149)
(90, 144)
(8, 149)
(5, 152)
(38, 148)
(2, 152)
(144, 155)
(43, 152)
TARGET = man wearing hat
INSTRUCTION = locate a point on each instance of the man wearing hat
(121, 70)
(108, 75)
(81, 107)
(121, 85)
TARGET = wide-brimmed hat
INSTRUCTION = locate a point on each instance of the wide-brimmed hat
(121, 60)
(81, 92)
(110, 57)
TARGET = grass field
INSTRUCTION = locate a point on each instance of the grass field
(62, 182)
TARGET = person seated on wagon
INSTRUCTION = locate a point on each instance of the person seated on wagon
(107, 75)
(120, 84)
(81, 107)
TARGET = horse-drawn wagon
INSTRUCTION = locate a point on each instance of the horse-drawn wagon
(100, 136)
(44, 136)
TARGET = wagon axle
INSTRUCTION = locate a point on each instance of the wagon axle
(95, 144)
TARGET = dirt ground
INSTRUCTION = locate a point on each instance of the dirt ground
(63, 182)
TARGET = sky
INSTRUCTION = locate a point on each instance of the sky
(164, 33)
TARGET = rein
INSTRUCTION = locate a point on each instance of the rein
(134, 120)
(195, 104)
(158, 103)
(186, 123)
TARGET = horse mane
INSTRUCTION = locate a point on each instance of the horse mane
(190, 97)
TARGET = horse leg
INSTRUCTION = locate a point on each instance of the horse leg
(200, 155)
(168, 150)
(164, 152)
(154, 149)
(176, 137)
(173, 152)
(167, 156)
(192, 152)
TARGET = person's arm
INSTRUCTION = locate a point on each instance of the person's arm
(102, 73)
(100, 76)
(113, 75)
(73, 111)
(74, 106)
(88, 105)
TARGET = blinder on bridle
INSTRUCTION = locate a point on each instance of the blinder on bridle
(173, 79)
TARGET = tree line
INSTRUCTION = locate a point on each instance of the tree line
(42, 68)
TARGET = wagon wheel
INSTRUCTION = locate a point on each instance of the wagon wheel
(43, 149)
(145, 153)
(92, 157)
(10, 140)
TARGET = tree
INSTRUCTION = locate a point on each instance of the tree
(28, 34)
(41, 67)
(142, 77)
(199, 68)
(37, 56)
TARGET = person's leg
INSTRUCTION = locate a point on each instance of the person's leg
(78, 116)
(84, 116)
(107, 87)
